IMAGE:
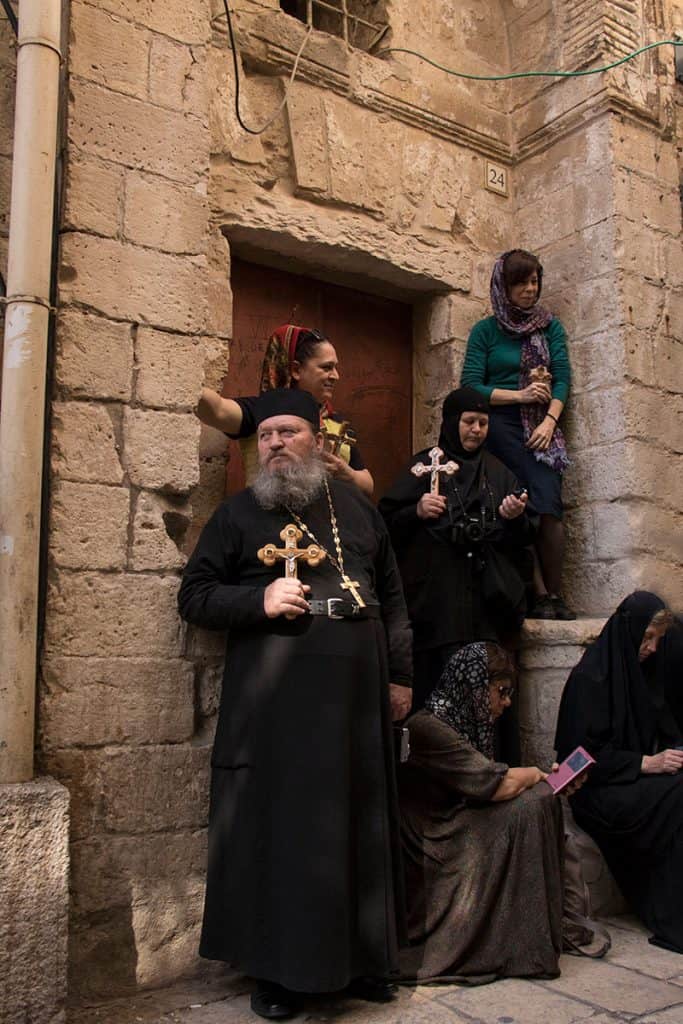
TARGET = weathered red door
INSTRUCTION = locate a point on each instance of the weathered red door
(373, 339)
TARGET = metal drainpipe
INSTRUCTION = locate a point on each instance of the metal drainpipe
(24, 375)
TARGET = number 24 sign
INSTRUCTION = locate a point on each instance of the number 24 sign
(496, 178)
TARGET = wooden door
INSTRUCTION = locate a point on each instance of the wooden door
(373, 339)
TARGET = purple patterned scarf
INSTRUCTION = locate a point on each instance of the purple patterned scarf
(529, 326)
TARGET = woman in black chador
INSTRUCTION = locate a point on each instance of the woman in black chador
(454, 548)
(615, 705)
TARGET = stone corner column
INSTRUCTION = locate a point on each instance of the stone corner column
(34, 895)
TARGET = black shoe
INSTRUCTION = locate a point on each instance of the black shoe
(561, 610)
(373, 990)
(544, 608)
(273, 1001)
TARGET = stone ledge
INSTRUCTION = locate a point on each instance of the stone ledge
(580, 632)
(34, 894)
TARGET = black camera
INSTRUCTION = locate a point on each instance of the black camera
(468, 531)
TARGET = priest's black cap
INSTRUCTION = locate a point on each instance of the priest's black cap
(287, 402)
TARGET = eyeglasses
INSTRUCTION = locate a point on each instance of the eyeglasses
(506, 691)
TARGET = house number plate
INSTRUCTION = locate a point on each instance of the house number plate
(496, 178)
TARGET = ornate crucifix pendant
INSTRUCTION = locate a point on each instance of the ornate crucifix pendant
(352, 587)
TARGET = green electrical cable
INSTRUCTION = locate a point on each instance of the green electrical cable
(530, 74)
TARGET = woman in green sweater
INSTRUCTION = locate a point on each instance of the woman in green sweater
(517, 358)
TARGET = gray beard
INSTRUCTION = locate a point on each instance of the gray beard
(295, 486)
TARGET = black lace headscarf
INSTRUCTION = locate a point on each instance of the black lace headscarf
(461, 698)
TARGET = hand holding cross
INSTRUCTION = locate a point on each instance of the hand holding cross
(336, 439)
(269, 554)
(435, 467)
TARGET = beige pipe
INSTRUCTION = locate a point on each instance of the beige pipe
(23, 376)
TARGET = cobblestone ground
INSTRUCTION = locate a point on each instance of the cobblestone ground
(635, 982)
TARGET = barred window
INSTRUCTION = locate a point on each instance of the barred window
(361, 23)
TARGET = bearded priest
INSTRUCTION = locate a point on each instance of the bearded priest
(303, 886)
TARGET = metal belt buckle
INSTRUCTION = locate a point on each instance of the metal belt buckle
(332, 601)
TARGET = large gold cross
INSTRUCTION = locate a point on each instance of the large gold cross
(336, 439)
(435, 467)
(269, 554)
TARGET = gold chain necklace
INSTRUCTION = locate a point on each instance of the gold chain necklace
(338, 562)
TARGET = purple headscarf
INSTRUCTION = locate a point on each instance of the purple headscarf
(529, 326)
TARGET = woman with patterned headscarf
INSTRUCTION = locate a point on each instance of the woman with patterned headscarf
(517, 359)
(482, 843)
(295, 357)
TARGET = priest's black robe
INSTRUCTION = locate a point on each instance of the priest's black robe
(303, 884)
(442, 579)
(616, 708)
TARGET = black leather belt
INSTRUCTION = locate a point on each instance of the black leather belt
(338, 608)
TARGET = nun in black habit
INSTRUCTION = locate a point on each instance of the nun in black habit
(457, 551)
(615, 705)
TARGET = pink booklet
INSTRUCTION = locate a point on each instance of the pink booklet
(572, 766)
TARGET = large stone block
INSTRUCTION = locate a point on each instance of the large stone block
(452, 317)
(89, 526)
(160, 450)
(130, 283)
(93, 196)
(34, 895)
(305, 114)
(636, 526)
(110, 871)
(189, 23)
(165, 216)
(170, 369)
(154, 789)
(129, 131)
(94, 356)
(102, 615)
(638, 148)
(159, 528)
(92, 702)
(108, 50)
(177, 76)
(596, 588)
(84, 445)
(648, 200)
(623, 469)
(205, 498)
(668, 359)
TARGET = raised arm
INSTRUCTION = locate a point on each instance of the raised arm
(223, 414)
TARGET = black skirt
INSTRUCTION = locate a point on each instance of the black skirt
(506, 441)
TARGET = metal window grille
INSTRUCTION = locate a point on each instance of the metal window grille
(341, 18)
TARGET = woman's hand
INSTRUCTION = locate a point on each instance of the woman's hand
(536, 393)
(667, 762)
(512, 506)
(336, 467)
(575, 784)
(431, 506)
(542, 435)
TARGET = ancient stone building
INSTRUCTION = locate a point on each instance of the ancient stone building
(384, 185)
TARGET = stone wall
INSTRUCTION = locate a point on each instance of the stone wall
(373, 177)
(122, 695)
